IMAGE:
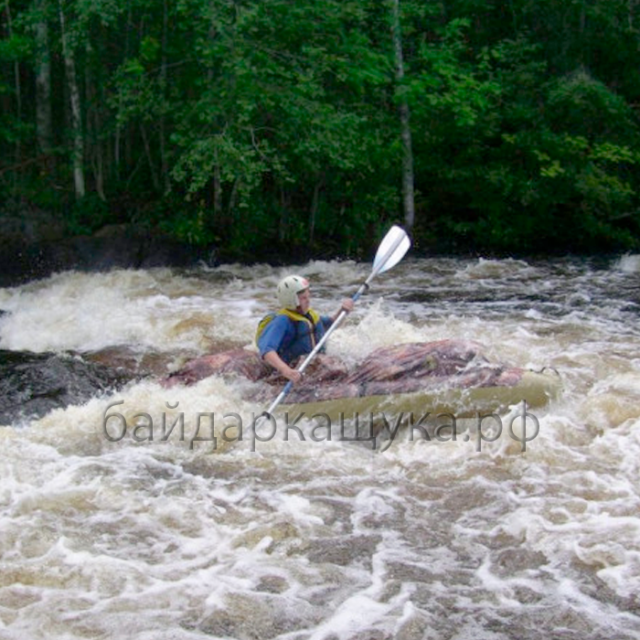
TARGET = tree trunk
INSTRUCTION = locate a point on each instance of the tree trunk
(315, 202)
(218, 214)
(217, 189)
(117, 142)
(44, 121)
(405, 124)
(17, 86)
(233, 203)
(283, 225)
(94, 151)
(164, 165)
(76, 114)
(147, 149)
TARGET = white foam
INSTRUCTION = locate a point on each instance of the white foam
(292, 538)
(629, 263)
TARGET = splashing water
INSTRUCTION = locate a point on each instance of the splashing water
(173, 537)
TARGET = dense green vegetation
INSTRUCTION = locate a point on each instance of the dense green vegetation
(500, 126)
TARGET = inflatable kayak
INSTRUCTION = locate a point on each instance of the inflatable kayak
(448, 376)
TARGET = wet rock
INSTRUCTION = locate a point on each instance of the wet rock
(26, 256)
(28, 226)
(132, 363)
(32, 384)
(20, 231)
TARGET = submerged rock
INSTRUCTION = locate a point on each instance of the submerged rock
(403, 368)
(442, 377)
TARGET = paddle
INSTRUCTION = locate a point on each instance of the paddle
(391, 250)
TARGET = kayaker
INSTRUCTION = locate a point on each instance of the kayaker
(294, 330)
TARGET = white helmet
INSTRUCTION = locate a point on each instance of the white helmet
(288, 290)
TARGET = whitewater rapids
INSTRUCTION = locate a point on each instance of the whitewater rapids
(175, 538)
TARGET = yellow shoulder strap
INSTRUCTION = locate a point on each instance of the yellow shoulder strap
(295, 316)
(298, 317)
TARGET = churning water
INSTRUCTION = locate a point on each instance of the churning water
(148, 537)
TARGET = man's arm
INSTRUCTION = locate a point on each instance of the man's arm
(272, 358)
(269, 343)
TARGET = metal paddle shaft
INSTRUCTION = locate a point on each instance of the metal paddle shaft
(391, 250)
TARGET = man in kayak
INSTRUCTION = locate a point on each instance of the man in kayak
(293, 331)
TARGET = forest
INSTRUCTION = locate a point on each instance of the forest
(269, 125)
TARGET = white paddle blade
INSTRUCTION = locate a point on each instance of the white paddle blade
(391, 250)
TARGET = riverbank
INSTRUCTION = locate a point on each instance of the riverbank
(36, 244)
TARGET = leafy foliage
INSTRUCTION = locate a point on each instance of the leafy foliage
(268, 125)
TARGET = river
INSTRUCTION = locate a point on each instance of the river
(147, 537)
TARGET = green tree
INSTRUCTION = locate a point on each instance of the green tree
(269, 123)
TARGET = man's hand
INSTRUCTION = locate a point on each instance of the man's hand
(346, 305)
(282, 367)
(292, 374)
